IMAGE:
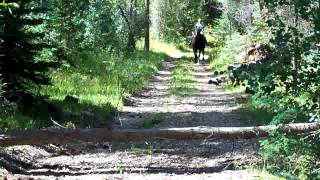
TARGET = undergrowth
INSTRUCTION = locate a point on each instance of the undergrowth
(290, 156)
(287, 155)
(97, 83)
(229, 87)
(226, 54)
(256, 110)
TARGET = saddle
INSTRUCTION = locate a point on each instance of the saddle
(194, 36)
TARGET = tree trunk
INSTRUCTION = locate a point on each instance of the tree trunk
(317, 24)
(43, 4)
(147, 26)
(262, 13)
(65, 136)
(131, 43)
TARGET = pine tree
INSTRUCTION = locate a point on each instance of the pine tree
(20, 46)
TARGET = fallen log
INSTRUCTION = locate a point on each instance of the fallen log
(66, 136)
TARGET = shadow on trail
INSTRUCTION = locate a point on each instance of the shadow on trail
(209, 117)
(150, 169)
(127, 169)
(175, 153)
(208, 106)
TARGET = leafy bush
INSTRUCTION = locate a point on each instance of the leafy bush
(7, 110)
(259, 32)
(290, 155)
(227, 54)
(21, 43)
(105, 79)
(289, 80)
(293, 68)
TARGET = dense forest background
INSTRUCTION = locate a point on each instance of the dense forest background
(74, 62)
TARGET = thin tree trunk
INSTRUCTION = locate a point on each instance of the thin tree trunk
(131, 44)
(147, 25)
(43, 3)
(65, 136)
(317, 24)
(262, 13)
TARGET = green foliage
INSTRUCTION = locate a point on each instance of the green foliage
(105, 79)
(238, 16)
(142, 66)
(259, 32)
(175, 20)
(83, 25)
(286, 117)
(213, 10)
(226, 55)
(5, 107)
(231, 88)
(133, 21)
(258, 109)
(292, 70)
(181, 16)
(291, 155)
(21, 45)
(10, 118)
(286, 83)
(9, 5)
(96, 25)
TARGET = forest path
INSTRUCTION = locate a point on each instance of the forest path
(208, 105)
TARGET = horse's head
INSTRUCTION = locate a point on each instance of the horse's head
(198, 31)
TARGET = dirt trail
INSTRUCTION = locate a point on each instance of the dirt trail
(166, 159)
(209, 106)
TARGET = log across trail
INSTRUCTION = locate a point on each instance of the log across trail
(199, 132)
(65, 136)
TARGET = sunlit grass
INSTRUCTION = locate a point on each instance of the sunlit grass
(99, 81)
(158, 46)
(182, 82)
(163, 47)
(231, 88)
(103, 80)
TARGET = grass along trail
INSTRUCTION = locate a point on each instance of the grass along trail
(181, 96)
(178, 96)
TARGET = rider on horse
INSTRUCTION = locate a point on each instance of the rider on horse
(198, 41)
(198, 26)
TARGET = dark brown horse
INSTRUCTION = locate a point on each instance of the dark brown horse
(199, 42)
